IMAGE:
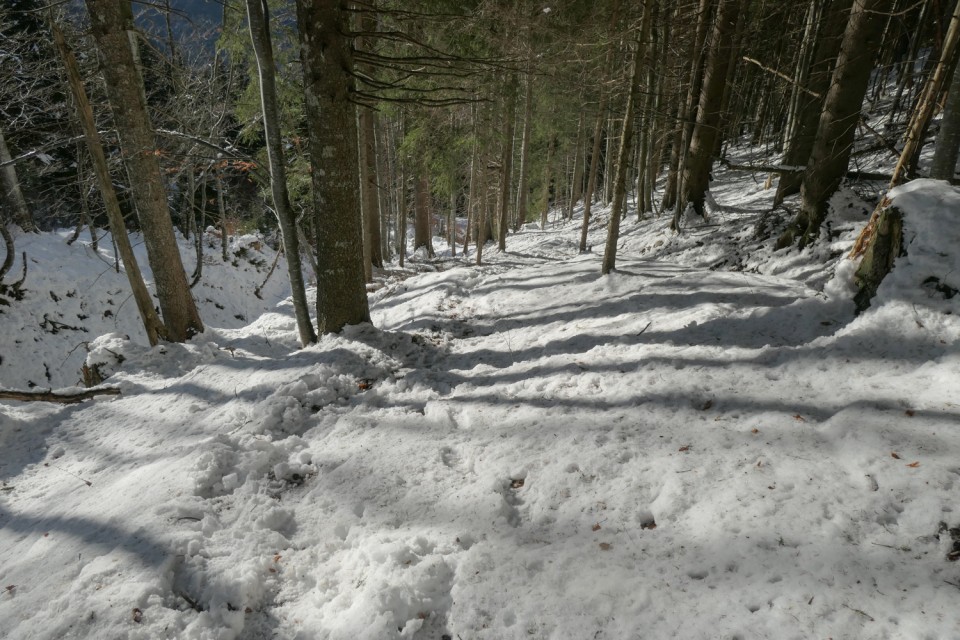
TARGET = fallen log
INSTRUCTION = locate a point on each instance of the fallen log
(779, 168)
(63, 398)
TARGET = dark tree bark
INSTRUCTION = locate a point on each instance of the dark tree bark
(809, 104)
(696, 173)
(506, 163)
(368, 176)
(944, 163)
(332, 128)
(112, 26)
(838, 122)
(422, 232)
(258, 17)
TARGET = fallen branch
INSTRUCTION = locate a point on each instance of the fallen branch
(63, 398)
(784, 76)
(779, 168)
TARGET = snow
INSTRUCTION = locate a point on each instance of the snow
(706, 443)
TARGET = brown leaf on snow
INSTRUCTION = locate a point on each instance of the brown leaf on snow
(516, 483)
(596, 527)
(755, 430)
(605, 546)
(137, 616)
(685, 447)
(914, 464)
(10, 587)
(894, 455)
(910, 413)
(799, 418)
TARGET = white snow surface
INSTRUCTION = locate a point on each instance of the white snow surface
(706, 443)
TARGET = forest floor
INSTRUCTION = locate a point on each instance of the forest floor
(707, 443)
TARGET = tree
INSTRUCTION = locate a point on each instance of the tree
(838, 122)
(624, 154)
(112, 26)
(944, 162)
(259, 22)
(332, 129)
(151, 322)
(696, 172)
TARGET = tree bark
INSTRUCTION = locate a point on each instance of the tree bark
(112, 25)
(696, 173)
(152, 324)
(809, 107)
(422, 232)
(838, 122)
(623, 157)
(506, 163)
(13, 200)
(944, 164)
(523, 188)
(327, 63)
(258, 17)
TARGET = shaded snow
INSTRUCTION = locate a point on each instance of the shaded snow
(706, 443)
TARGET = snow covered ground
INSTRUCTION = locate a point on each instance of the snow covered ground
(705, 444)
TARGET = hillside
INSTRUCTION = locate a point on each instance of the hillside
(706, 443)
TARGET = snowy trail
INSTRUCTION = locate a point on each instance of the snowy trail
(522, 450)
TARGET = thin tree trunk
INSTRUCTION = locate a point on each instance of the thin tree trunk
(506, 162)
(258, 17)
(577, 168)
(152, 324)
(623, 161)
(523, 188)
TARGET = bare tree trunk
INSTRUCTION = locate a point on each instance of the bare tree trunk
(506, 162)
(696, 172)
(928, 99)
(368, 174)
(547, 177)
(13, 199)
(523, 188)
(624, 153)
(686, 116)
(810, 104)
(112, 25)
(838, 122)
(576, 178)
(151, 321)
(327, 65)
(422, 233)
(258, 17)
(944, 162)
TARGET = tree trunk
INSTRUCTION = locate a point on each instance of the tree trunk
(838, 122)
(696, 173)
(592, 177)
(151, 321)
(576, 178)
(112, 25)
(944, 163)
(686, 116)
(506, 163)
(624, 153)
(13, 200)
(547, 177)
(327, 65)
(368, 174)
(422, 233)
(522, 179)
(810, 104)
(258, 17)
(928, 99)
